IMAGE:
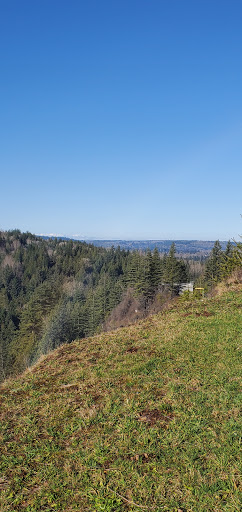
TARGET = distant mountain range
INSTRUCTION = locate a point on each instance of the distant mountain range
(192, 247)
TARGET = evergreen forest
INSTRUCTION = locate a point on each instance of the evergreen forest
(53, 291)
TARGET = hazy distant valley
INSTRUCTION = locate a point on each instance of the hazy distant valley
(192, 248)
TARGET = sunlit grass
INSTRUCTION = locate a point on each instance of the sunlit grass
(146, 417)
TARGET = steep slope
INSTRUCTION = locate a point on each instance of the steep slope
(146, 417)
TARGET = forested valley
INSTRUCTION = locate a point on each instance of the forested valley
(54, 291)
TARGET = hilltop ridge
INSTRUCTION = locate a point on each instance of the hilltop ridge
(145, 417)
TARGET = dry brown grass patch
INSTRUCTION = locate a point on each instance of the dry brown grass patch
(153, 416)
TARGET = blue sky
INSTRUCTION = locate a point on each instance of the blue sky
(121, 118)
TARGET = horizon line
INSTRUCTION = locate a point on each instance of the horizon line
(102, 239)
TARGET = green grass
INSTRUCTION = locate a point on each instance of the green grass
(144, 418)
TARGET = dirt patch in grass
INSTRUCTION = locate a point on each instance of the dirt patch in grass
(194, 385)
(93, 359)
(96, 398)
(19, 393)
(153, 416)
(46, 381)
(178, 370)
(152, 353)
(70, 387)
(204, 313)
(143, 457)
(132, 349)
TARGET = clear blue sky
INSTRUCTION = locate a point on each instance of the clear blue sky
(121, 118)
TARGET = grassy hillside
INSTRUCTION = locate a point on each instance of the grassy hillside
(144, 418)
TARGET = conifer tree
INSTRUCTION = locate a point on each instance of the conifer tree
(213, 270)
(175, 271)
(232, 259)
